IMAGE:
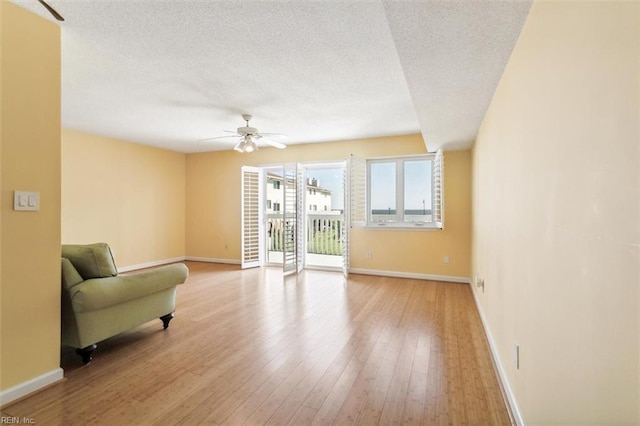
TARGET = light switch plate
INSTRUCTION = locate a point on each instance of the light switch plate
(26, 201)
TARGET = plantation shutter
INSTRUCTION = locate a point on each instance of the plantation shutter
(290, 219)
(300, 217)
(356, 191)
(251, 217)
(355, 208)
(345, 227)
(438, 189)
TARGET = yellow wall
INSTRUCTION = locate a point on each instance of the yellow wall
(128, 195)
(30, 156)
(213, 207)
(556, 195)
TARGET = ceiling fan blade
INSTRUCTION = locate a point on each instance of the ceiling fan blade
(51, 10)
(220, 137)
(274, 143)
(275, 135)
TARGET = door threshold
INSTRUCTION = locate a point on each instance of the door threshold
(323, 268)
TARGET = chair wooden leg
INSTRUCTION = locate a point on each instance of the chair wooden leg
(166, 319)
(87, 353)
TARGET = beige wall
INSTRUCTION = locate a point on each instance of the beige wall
(128, 195)
(30, 156)
(556, 193)
(133, 196)
(213, 207)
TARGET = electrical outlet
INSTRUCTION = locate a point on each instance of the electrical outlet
(480, 282)
(516, 355)
(369, 256)
(445, 259)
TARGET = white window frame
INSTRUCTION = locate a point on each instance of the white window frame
(437, 205)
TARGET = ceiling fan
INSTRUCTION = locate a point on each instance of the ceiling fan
(51, 10)
(248, 137)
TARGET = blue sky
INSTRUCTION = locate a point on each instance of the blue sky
(331, 179)
(417, 194)
(383, 182)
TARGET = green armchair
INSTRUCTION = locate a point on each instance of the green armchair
(97, 303)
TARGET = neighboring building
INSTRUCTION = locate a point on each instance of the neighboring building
(317, 199)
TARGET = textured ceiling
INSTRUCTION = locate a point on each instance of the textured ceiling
(171, 73)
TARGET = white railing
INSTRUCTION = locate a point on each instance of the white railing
(275, 232)
(324, 233)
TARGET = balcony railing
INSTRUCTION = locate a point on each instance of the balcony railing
(324, 233)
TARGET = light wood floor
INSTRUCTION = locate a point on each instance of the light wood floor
(252, 347)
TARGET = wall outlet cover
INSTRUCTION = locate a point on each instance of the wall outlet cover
(26, 201)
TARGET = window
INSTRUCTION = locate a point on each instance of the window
(276, 184)
(276, 207)
(405, 192)
(269, 204)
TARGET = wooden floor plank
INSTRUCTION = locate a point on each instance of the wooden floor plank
(252, 347)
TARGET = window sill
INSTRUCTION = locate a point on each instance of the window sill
(403, 227)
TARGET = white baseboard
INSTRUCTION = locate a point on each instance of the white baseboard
(430, 277)
(30, 386)
(213, 260)
(177, 259)
(511, 398)
(150, 264)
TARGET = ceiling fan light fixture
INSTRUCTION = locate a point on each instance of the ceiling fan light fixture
(248, 145)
